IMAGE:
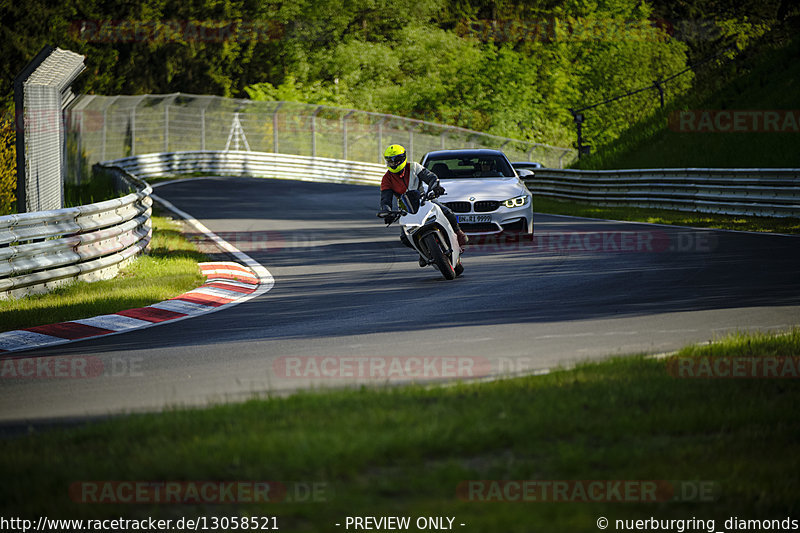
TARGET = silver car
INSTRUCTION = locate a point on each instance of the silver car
(483, 190)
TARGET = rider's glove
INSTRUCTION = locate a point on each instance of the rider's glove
(438, 190)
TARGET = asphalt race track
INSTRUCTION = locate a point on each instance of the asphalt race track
(348, 293)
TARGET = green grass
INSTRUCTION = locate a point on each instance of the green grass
(92, 191)
(664, 216)
(404, 451)
(167, 270)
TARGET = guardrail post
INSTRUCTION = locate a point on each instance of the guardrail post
(203, 129)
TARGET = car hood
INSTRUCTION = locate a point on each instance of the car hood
(482, 189)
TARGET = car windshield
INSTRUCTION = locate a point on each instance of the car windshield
(479, 166)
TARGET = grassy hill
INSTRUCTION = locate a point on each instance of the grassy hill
(764, 78)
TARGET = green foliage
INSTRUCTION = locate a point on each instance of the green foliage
(507, 67)
(8, 167)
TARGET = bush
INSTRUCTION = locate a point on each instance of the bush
(8, 167)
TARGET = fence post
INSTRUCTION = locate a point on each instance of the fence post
(657, 85)
(133, 131)
(380, 139)
(105, 125)
(78, 144)
(166, 128)
(275, 128)
(410, 144)
(203, 129)
(344, 134)
(314, 131)
(561, 159)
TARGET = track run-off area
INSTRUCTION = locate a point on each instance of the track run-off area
(351, 305)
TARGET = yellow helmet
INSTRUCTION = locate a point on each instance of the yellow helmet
(395, 156)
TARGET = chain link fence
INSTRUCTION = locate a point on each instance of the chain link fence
(42, 92)
(112, 127)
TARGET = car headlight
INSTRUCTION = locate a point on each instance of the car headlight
(519, 201)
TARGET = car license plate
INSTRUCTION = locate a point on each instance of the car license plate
(474, 219)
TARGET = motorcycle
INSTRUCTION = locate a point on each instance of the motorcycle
(428, 232)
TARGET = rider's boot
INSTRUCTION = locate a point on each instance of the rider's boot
(462, 238)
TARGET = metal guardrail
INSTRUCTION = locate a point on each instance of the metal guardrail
(39, 251)
(256, 164)
(752, 192)
(756, 192)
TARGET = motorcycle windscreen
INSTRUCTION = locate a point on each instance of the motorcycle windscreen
(410, 201)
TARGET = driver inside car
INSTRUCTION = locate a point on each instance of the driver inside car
(402, 177)
(486, 168)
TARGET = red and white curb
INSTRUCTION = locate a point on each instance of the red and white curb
(226, 284)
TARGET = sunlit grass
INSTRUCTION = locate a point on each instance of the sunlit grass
(405, 450)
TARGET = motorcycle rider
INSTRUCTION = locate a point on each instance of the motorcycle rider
(402, 177)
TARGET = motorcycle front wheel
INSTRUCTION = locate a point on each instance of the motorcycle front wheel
(440, 260)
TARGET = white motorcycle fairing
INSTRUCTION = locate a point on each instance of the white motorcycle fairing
(429, 220)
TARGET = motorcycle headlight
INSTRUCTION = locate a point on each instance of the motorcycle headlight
(519, 201)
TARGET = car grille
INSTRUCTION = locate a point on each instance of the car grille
(479, 227)
(485, 206)
(517, 226)
(459, 207)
